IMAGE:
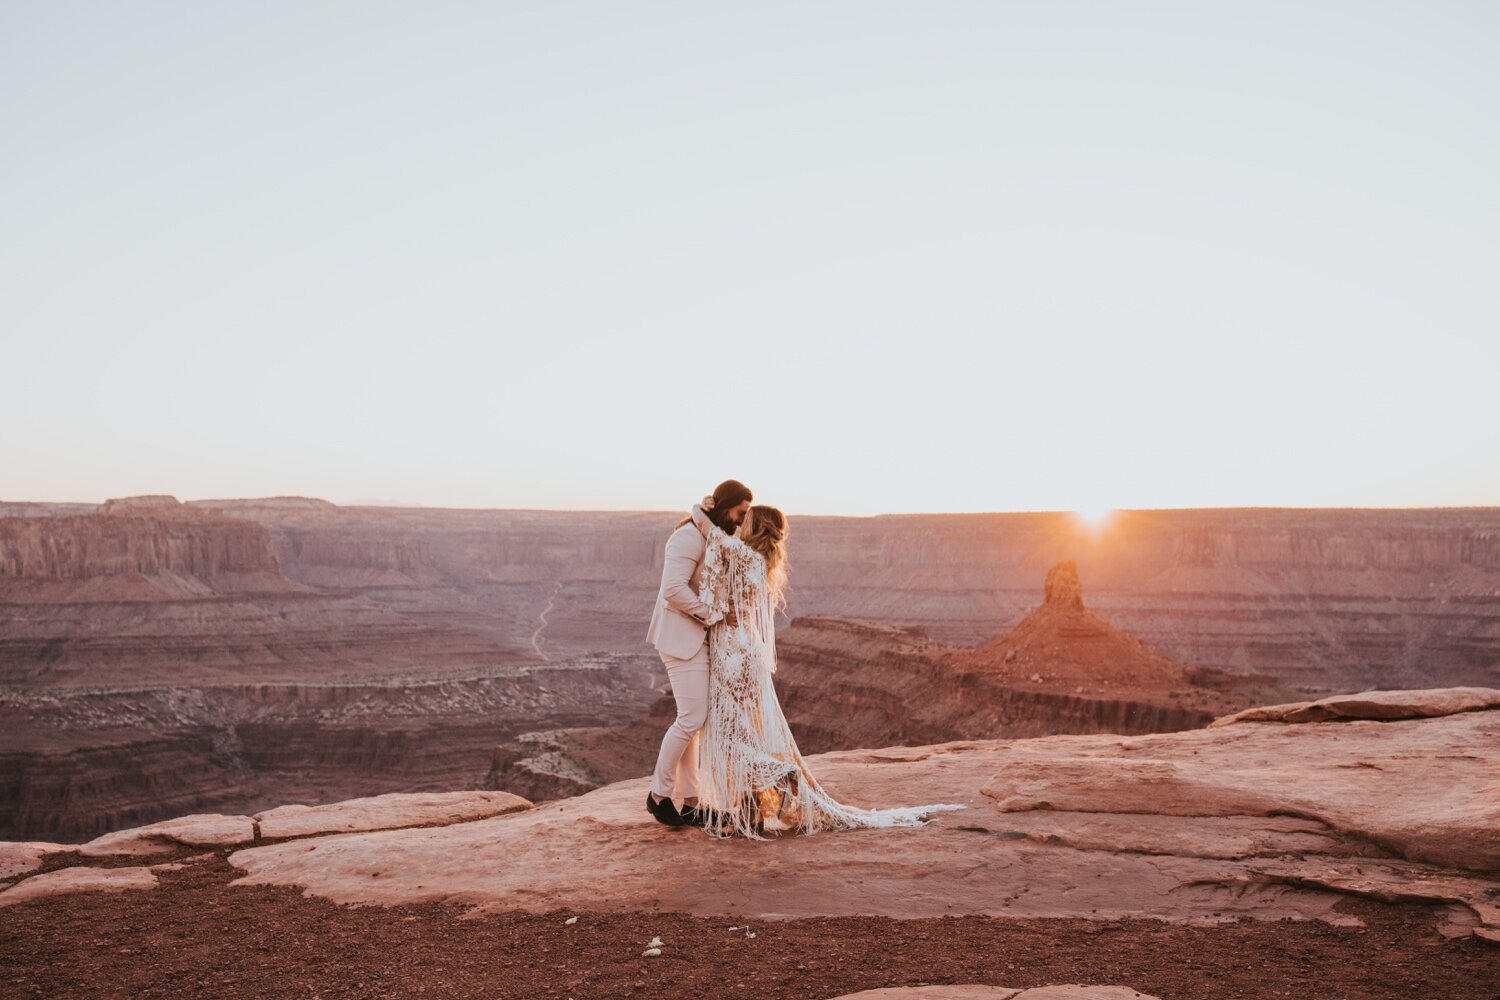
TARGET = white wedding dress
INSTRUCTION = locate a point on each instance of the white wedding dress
(752, 776)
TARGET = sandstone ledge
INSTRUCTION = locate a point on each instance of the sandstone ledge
(1260, 820)
(375, 812)
(1256, 821)
(198, 830)
(383, 812)
(1382, 705)
(67, 880)
(20, 857)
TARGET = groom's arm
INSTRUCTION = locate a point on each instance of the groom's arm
(677, 573)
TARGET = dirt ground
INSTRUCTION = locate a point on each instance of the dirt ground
(195, 936)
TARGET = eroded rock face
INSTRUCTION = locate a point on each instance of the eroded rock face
(1331, 599)
(1323, 598)
(144, 502)
(104, 760)
(1062, 589)
(136, 549)
(1061, 647)
(1257, 820)
(1336, 599)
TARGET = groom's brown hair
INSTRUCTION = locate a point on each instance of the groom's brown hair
(727, 495)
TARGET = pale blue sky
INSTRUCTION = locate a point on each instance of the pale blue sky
(865, 256)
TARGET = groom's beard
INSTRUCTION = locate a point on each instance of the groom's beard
(725, 524)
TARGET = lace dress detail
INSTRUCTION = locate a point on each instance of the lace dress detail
(752, 774)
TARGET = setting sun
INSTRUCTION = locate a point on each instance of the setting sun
(1093, 517)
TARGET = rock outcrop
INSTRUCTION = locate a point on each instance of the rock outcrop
(1251, 821)
(150, 502)
(1384, 705)
(1063, 647)
(1062, 590)
(1256, 820)
(69, 880)
(211, 830)
(384, 812)
(136, 549)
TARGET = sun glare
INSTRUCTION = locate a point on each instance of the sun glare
(1093, 517)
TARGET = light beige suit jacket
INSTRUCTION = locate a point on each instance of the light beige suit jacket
(679, 622)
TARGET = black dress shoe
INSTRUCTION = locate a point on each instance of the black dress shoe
(710, 819)
(664, 812)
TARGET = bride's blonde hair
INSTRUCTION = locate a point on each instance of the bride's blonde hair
(764, 530)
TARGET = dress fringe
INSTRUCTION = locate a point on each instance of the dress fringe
(753, 778)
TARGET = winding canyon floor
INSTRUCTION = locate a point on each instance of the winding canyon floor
(1344, 847)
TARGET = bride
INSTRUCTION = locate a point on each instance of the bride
(753, 778)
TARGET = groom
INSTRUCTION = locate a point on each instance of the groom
(679, 631)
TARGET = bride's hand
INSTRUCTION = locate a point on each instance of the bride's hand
(707, 503)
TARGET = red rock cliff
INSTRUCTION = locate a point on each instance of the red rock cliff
(136, 548)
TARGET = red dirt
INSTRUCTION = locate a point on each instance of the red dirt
(197, 936)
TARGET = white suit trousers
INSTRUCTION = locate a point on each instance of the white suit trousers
(677, 764)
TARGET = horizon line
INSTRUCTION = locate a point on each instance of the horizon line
(649, 510)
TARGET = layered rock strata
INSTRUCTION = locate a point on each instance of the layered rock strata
(1338, 599)
(76, 763)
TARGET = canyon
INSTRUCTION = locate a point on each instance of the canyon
(847, 684)
(158, 656)
(1330, 599)
(76, 763)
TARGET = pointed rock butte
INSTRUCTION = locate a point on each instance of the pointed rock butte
(1062, 589)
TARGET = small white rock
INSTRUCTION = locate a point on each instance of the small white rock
(570, 921)
(651, 953)
(655, 942)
